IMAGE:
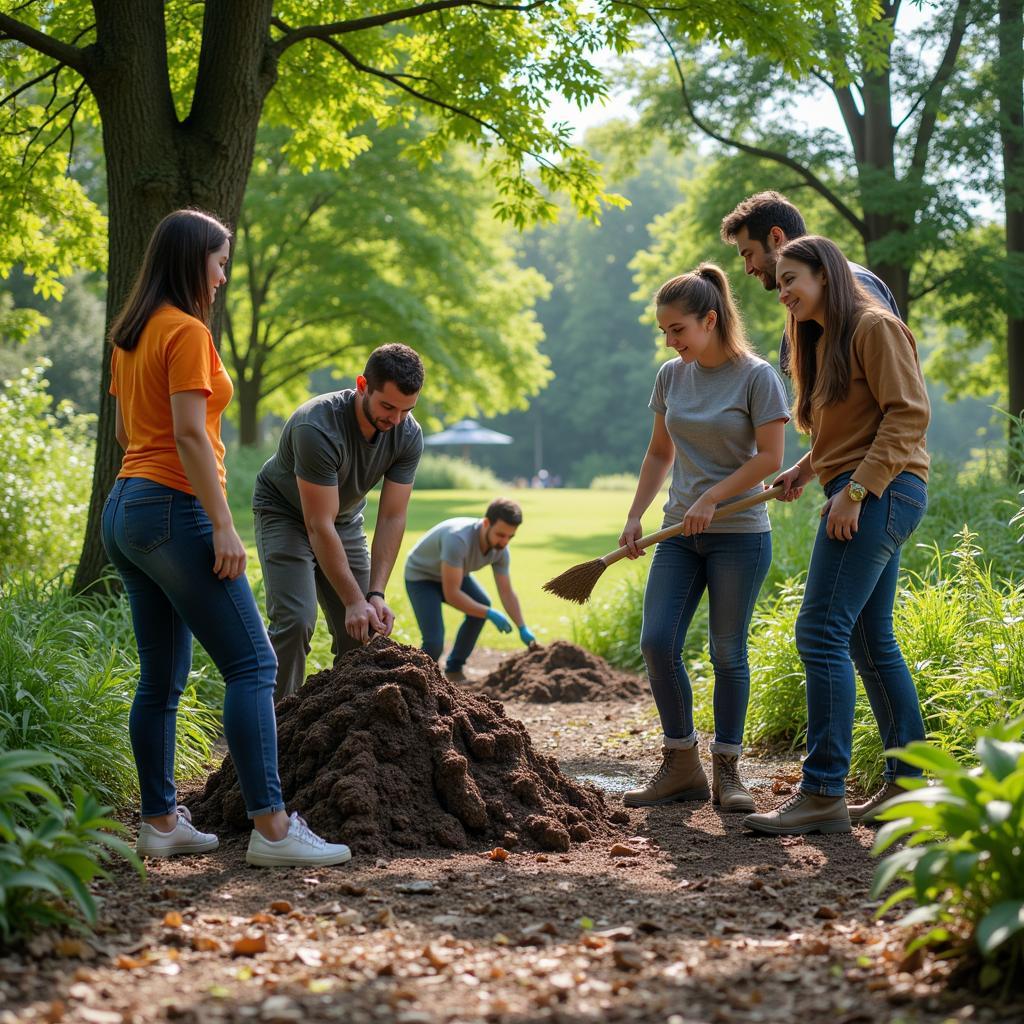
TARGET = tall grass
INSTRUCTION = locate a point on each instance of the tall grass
(68, 673)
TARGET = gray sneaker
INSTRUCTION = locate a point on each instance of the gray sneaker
(302, 847)
(183, 838)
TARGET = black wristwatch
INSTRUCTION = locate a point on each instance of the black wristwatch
(375, 593)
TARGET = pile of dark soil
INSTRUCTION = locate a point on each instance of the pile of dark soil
(384, 754)
(560, 672)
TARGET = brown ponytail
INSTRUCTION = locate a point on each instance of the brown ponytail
(705, 289)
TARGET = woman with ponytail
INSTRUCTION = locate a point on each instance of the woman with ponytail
(719, 419)
(861, 397)
(168, 530)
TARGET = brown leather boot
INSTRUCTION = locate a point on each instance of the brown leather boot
(864, 814)
(680, 777)
(727, 789)
(802, 813)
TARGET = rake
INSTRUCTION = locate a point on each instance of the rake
(576, 584)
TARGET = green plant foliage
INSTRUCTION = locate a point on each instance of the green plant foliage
(446, 472)
(962, 865)
(68, 673)
(49, 854)
(45, 475)
(609, 625)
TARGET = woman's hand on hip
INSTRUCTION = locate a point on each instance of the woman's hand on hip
(631, 533)
(698, 516)
(228, 553)
(843, 516)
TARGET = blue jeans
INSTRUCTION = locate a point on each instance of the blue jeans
(847, 611)
(731, 567)
(161, 542)
(427, 598)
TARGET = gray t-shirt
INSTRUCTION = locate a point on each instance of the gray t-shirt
(455, 541)
(322, 444)
(711, 416)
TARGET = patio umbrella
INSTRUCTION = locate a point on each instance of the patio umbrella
(467, 432)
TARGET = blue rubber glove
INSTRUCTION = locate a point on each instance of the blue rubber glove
(526, 636)
(499, 620)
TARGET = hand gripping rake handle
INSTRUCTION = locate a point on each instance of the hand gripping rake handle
(721, 511)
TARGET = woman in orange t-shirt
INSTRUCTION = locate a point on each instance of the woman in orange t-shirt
(168, 530)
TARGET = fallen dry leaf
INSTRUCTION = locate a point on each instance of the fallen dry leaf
(130, 963)
(172, 919)
(281, 907)
(73, 949)
(55, 1012)
(498, 854)
(205, 944)
(248, 945)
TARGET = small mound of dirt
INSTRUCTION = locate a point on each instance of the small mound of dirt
(559, 672)
(383, 753)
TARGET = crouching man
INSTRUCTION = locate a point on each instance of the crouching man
(439, 571)
(309, 500)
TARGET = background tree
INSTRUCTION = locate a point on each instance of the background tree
(329, 264)
(592, 418)
(892, 177)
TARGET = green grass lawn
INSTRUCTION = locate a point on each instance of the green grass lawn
(560, 528)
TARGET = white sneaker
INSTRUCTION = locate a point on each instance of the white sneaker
(300, 848)
(183, 838)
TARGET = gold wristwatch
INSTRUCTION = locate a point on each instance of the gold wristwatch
(856, 491)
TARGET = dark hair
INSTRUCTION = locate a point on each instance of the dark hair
(504, 510)
(173, 273)
(396, 363)
(759, 214)
(821, 370)
(699, 292)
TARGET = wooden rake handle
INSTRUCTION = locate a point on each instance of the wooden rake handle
(721, 511)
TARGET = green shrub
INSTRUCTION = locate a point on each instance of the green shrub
(961, 631)
(962, 865)
(445, 472)
(68, 673)
(49, 854)
(45, 476)
(609, 625)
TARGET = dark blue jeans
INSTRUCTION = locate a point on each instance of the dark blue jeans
(847, 611)
(161, 542)
(427, 599)
(731, 567)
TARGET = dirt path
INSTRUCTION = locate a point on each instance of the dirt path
(696, 921)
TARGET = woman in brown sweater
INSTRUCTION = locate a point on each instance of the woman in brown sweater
(861, 397)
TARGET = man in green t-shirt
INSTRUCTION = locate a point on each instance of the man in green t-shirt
(439, 571)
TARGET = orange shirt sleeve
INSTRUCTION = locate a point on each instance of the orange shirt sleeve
(190, 355)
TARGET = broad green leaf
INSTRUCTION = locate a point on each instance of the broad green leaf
(1002, 922)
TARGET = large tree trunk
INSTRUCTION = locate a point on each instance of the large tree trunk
(1011, 127)
(250, 426)
(157, 164)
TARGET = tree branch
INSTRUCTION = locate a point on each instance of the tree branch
(42, 43)
(767, 154)
(324, 32)
(933, 94)
(396, 79)
(55, 70)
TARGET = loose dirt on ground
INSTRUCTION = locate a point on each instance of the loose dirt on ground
(559, 672)
(681, 918)
(384, 754)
